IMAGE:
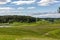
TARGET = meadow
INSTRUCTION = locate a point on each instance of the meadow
(40, 30)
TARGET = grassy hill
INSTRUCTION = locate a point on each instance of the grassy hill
(30, 31)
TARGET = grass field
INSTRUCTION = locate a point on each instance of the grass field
(30, 31)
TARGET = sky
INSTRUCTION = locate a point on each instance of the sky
(28, 6)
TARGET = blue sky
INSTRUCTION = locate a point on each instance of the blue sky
(28, 6)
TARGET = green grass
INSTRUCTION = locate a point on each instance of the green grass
(14, 37)
(29, 31)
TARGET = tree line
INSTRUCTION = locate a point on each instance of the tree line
(28, 19)
(15, 18)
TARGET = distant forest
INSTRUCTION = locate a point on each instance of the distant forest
(27, 19)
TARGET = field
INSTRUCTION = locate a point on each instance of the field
(30, 31)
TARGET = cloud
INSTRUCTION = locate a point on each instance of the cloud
(4, 1)
(23, 2)
(46, 2)
(21, 8)
(56, 15)
(31, 8)
(2, 8)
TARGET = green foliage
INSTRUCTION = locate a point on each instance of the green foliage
(11, 19)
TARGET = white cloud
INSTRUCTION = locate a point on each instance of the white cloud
(21, 8)
(1, 8)
(4, 1)
(31, 8)
(47, 2)
(4, 10)
(56, 15)
(23, 2)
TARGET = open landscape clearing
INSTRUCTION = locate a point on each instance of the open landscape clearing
(30, 31)
(29, 19)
